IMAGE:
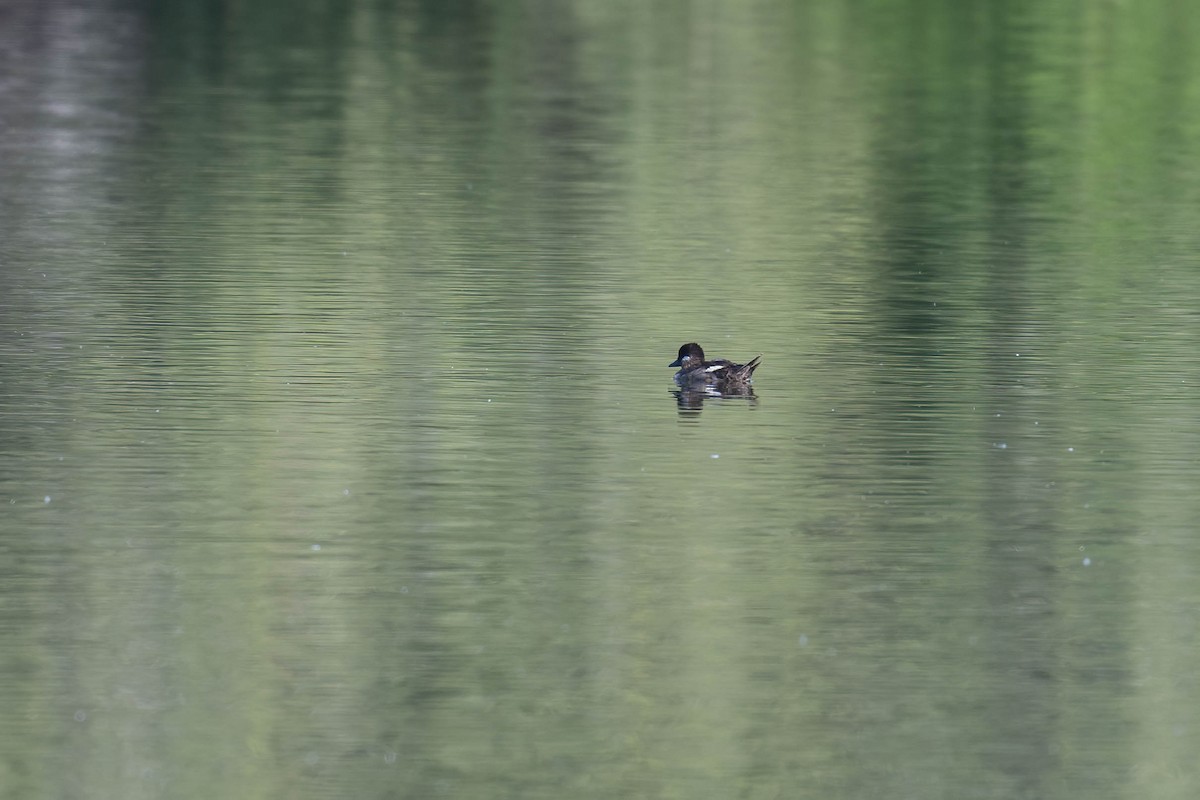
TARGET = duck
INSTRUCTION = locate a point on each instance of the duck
(694, 371)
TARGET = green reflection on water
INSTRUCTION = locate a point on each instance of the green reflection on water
(338, 451)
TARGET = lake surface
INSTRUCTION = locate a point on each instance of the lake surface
(338, 449)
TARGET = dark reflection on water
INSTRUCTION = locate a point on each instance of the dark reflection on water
(334, 453)
(690, 401)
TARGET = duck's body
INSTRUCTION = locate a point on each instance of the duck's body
(695, 372)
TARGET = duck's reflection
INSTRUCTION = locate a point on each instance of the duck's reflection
(690, 400)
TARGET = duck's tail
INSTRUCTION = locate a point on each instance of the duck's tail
(748, 369)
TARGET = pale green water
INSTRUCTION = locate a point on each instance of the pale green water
(337, 451)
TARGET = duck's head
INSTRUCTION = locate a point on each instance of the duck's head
(690, 355)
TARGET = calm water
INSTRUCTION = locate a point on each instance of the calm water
(338, 456)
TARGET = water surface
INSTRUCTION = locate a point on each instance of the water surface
(338, 452)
